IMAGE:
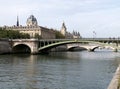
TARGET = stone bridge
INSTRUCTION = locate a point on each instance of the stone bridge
(44, 45)
(81, 46)
(24, 45)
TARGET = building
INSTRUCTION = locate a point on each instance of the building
(76, 34)
(32, 28)
(67, 34)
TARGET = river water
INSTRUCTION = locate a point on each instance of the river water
(62, 70)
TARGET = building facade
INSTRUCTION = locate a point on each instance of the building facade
(32, 28)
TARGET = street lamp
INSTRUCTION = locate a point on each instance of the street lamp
(94, 34)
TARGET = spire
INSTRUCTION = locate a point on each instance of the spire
(73, 32)
(17, 22)
(63, 26)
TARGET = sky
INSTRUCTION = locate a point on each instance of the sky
(92, 18)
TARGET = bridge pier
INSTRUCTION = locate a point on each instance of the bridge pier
(115, 50)
(90, 50)
(34, 50)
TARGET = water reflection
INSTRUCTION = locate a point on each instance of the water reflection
(62, 70)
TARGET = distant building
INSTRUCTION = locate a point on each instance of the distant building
(33, 29)
(76, 34)
(67, 34)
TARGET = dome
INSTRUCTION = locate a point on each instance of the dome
(32, 18)
(31, 21)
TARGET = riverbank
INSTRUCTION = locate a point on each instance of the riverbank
(115, 82)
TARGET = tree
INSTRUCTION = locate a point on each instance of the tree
(4, 33)
(37, 36)
(59, 35)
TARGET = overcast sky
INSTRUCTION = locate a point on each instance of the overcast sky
(85, 16)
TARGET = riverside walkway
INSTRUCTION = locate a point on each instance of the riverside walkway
(115, 82)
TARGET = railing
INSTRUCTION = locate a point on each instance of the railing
(82, 39)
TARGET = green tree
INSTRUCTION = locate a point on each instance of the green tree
(59, 35)
(4, 33)
(37, 36)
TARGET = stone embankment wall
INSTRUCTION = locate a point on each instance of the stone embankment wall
(5, 47)
(114, 84)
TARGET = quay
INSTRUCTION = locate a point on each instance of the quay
(115, 82)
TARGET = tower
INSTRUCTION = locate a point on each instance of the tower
(17, 22)
(63, 29)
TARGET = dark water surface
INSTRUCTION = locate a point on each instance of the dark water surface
(62, 70)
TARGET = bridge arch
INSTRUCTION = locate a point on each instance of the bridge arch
(93, 49)
(76, 48)
(21, 48)
(47, 47)
(90, 48)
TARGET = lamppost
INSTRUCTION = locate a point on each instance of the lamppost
(94, 34)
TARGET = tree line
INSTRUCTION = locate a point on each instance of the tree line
(12, 34)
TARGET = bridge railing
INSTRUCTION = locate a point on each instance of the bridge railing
(84, 39)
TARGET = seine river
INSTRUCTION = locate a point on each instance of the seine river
(62, 70)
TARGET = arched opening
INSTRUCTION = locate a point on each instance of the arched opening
(47, 48)
(77, 48)
(94, 48)
(21, 48)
